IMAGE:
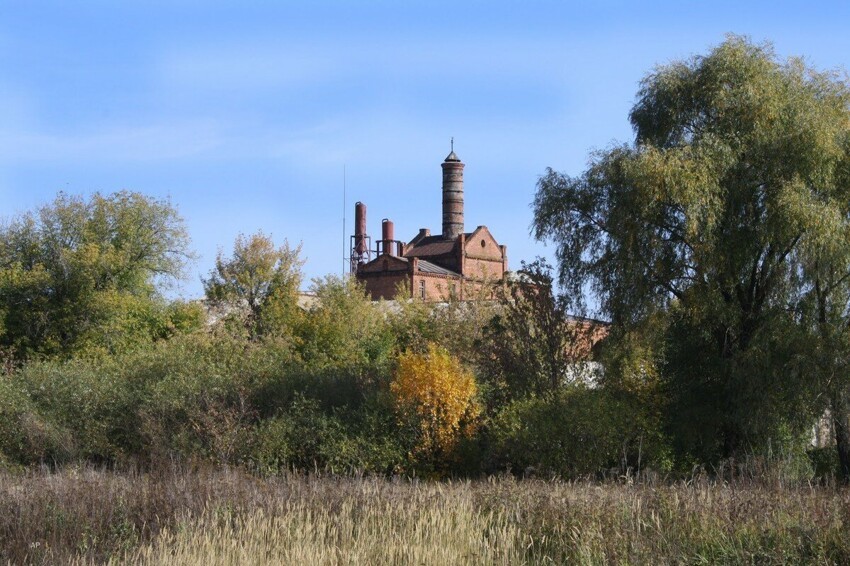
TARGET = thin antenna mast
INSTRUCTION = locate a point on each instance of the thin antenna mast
(344, 260)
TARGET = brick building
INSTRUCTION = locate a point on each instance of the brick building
(453, 264)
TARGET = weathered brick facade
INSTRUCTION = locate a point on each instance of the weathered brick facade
(454, 264)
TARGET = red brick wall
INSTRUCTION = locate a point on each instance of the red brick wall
(483, 269)
(483, 257)
(437, 287)
(384, 285)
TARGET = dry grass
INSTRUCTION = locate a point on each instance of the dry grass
(429, 532)
(227, 517)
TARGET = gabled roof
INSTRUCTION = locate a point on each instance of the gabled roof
(478, 229)
(378, 262)
(423, 265)
(431, 246)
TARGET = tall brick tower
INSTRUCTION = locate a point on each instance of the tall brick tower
(452, 196)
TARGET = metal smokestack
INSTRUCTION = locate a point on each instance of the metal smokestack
(387, 236)
(452, 196)
(361, 243)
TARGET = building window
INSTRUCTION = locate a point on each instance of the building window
(422, 288)
(483, 244)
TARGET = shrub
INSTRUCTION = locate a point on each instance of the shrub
(92, 401)
(305, 437)
(575, 432)
(25, 437)
(343, 329)
(439, 396)
(456, 326)
(197, 400)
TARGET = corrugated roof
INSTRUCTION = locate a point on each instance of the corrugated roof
(428, 267)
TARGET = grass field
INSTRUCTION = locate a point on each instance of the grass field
(232, 517)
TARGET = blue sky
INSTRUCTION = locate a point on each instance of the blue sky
(245, 114)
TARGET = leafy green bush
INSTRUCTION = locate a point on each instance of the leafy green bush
(227, 400)
(330, 387)
(197, 400)
(90, 400)
(305, 437)
(575, 432)
(199, 397)
(824, 461)
(344, 329)
(25, 437)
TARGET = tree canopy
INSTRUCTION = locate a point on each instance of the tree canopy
(83, 273)
(531, 345)
(264, 278)
(733, 190)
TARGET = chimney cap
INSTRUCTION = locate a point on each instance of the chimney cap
(453, 156)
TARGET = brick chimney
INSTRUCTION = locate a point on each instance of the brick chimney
(452, 196)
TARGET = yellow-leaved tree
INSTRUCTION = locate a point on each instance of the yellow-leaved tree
(439, 395)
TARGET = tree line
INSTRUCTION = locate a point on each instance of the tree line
(716, 243)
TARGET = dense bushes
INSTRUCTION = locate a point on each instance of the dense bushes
(219, 397)
(355, 386)
(25, 437)
(304, 437)
(347, 384)
(93, 403)
(322, 399)
(572, 433)
(342, 384)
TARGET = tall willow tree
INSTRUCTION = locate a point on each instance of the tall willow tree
(723, 214)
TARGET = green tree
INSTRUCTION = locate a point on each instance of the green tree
(455, 325)
(707, 217)
(262, 278)
(824, 309)
(85, 274)
(532, 346)
(343, 328)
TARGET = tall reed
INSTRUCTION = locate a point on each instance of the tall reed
(221, 516)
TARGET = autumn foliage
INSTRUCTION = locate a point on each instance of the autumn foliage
(440, 393)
